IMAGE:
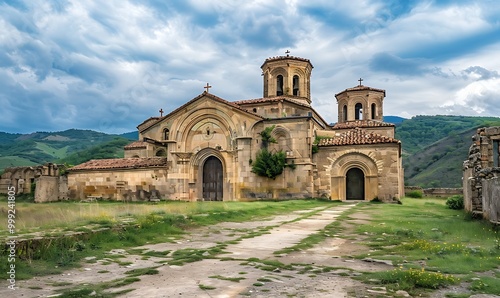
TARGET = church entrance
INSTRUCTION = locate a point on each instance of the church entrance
(355, 184)
(212, 179)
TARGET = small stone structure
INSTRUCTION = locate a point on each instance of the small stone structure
(481, 175)
(50, 185)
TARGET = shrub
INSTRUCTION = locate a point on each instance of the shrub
(417, 194)
(269, 164)
(455, 202)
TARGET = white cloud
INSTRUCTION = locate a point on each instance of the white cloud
(84, 63)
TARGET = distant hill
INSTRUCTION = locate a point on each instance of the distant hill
(41, 147)
(133, 135)
(434, 147)
(393, 119)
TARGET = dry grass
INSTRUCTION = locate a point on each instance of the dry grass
(34, 217)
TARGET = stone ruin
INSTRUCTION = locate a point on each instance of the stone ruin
(45, 180)
(481, 175)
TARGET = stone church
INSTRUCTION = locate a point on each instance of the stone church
(204, 149)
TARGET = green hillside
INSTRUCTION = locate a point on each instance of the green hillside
(421, 131)
(14, 161)
(71, 145)
(434, 148)
(111, 149)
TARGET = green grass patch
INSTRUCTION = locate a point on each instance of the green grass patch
(98, 290)
(233, 279)
(431, 244)
(486, 285)
(411, 279)
(142, 271)
(206, 287)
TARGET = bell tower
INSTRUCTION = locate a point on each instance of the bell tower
(287, 76)
(360, 103)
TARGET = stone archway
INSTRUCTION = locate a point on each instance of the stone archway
(212, 179)
(355, 184)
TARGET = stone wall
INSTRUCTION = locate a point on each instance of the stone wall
(51, 189)
(491, 199)
(481, 172)
(45, 179)
(435, 192)
(123, 185)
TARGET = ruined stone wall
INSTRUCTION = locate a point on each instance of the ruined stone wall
(479, 170)
(51, 189)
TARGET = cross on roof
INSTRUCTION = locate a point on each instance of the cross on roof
(207, 87)
(360, 80)
(161, 112)
(287, 52)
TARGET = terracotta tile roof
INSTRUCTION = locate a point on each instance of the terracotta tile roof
(209, 95)
(121, 163)
(361, 88)
(136, 145)
(150, 120)
(357, 136)
(362, 124)
(270, 99)
(287, 57)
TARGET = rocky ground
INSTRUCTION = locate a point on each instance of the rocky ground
(247, 268)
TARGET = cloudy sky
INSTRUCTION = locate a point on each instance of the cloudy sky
(109, 65)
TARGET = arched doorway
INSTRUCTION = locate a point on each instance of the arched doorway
(355, 184)
(212, 179)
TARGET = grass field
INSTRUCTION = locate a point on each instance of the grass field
(430, 245)
(70, 215)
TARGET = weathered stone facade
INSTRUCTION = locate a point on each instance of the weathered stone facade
(204, 149)
(46, 180)
(481, 174)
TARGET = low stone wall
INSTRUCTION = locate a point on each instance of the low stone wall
(435, 192)
(442, 192)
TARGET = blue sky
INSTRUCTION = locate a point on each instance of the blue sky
(109, 65)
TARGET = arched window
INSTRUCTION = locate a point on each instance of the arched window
(358, 111)
(374, 109)
(296, 85)
(344, 113)
(279, 85)
(166, 133)
(161, 152)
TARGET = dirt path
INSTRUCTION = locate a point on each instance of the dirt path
(248, 268)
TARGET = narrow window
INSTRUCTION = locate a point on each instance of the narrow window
(166, 133)
(279, 85)
(358, 111)
(496, 153)
(296, 85)
(374, 108)
(344, 113)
